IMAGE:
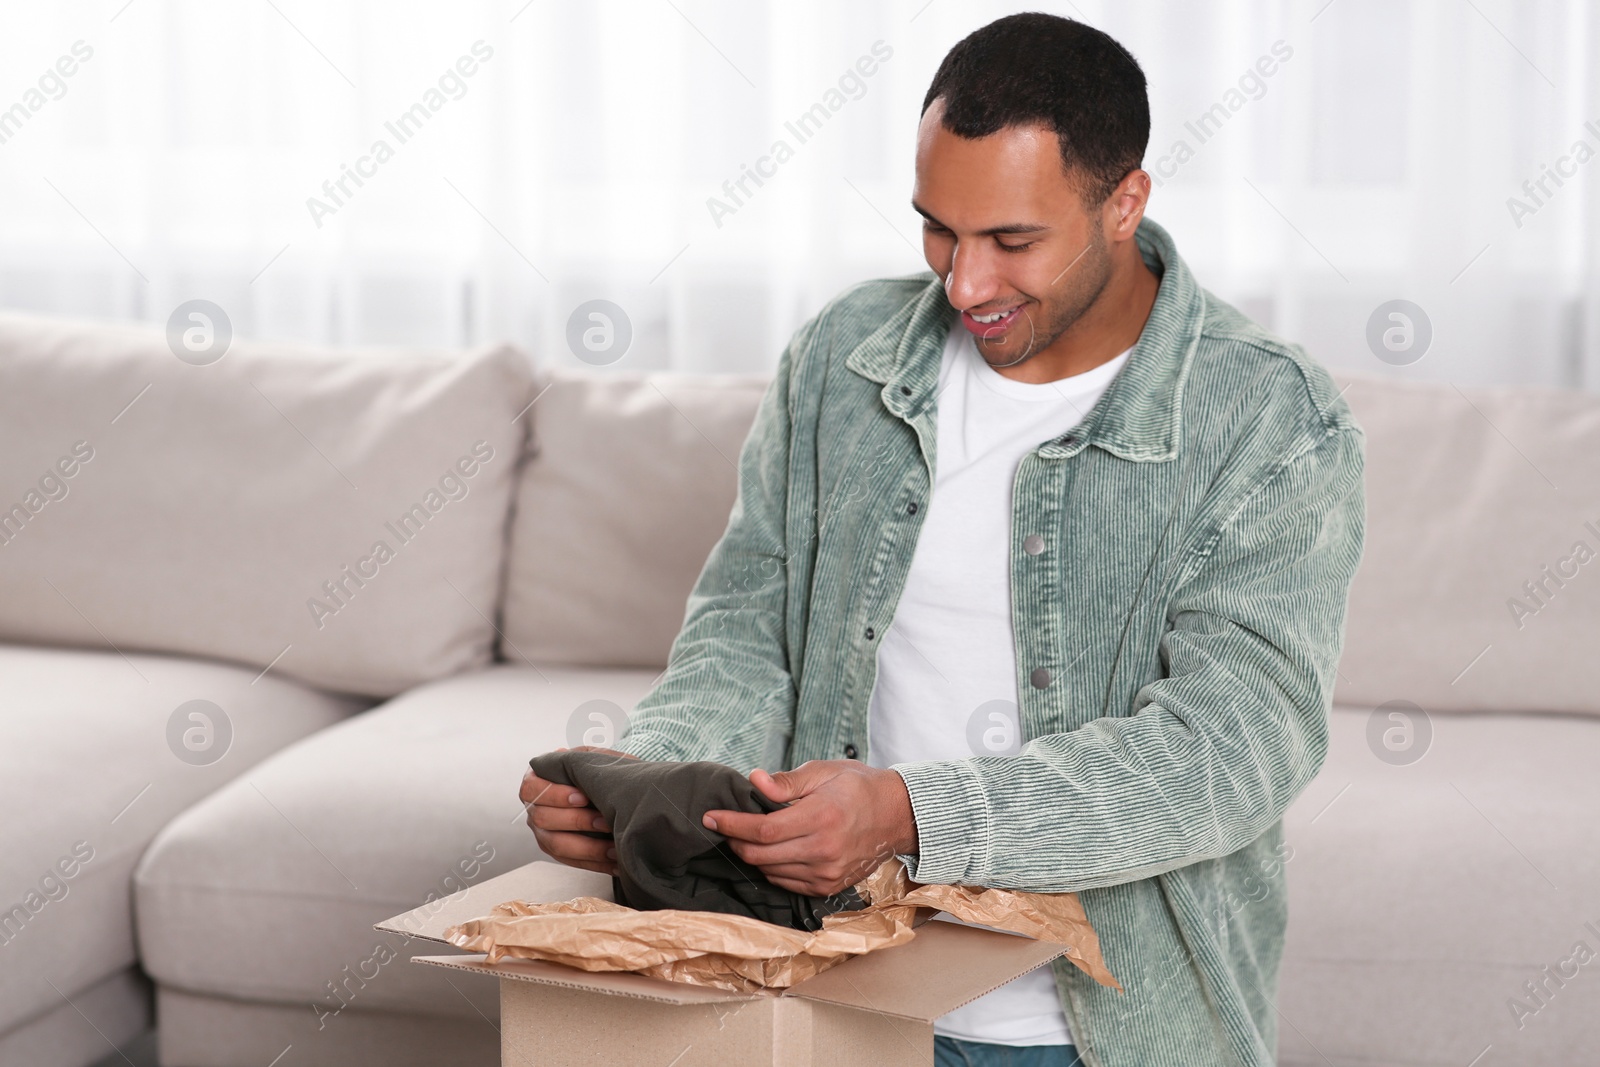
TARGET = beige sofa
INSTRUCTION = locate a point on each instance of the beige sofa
(365, 715)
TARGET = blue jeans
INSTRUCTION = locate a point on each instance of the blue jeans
(953, 1052)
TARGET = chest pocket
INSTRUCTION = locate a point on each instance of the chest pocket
(1125, 532)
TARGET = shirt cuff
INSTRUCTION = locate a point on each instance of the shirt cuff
(952, 816)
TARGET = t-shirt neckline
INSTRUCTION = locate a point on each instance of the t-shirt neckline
(1072, 385)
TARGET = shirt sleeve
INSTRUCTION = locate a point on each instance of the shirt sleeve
(1215, 750)
(727, 693)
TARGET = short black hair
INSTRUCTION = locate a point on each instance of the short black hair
(1037, 68)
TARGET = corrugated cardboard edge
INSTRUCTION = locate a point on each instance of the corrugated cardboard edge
(951, 963)
(611, 983)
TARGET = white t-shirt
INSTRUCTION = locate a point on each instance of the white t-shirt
(947, 673)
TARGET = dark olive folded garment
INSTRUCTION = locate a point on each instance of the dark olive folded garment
(666, 857)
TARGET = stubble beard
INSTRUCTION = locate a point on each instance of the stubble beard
(1077, 290)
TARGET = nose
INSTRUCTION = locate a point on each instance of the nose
(972, 279)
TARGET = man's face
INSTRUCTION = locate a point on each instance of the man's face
(1021, 256)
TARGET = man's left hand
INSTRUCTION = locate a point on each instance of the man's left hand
(843, 819)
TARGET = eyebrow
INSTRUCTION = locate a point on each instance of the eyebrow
(991, 231)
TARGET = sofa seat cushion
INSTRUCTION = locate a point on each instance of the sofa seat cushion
(1423, 895)
(631, 481)
(275, 901)
(95, 761)
(201, 1031)
(340, 515)
(88, 1029)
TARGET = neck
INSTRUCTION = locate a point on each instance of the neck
(1110, 326)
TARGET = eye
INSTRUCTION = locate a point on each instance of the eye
(1023, 247)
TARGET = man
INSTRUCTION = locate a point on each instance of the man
(1053, 491)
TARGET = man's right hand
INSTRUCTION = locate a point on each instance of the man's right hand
(562, 818)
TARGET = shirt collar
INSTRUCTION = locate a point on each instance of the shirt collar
(1139, 417)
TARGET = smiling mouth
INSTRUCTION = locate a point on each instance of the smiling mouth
(991, 325)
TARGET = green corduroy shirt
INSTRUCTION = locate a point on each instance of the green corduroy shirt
(1176, 640)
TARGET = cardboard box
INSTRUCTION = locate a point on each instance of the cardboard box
(876, 1009)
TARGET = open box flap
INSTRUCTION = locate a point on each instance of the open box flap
(945, 966)
(540, 880)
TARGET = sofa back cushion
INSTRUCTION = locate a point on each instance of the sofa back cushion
(1479, 586)
(339, 515)
(630, 484)
(1478, 590)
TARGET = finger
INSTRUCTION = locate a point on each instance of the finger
(808, 882)
(797, 872)
(568, 847)
(536, 790)
(799, 885)
(543, 818)
(802, 851)
(777, 787)
(759, 829)
(603, 867)
(609, 868)
(786, 786)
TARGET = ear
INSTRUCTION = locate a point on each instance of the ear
(1124, 208)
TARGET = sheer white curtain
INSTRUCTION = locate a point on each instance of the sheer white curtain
(536, 155)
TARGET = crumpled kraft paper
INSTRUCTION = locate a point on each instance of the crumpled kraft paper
(744, 954)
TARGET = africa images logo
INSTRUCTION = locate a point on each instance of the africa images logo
(453, 485)
(805, 126)
(451, 85)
